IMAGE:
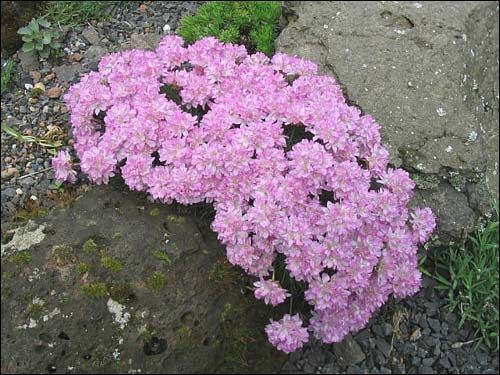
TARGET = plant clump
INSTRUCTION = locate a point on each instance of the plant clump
(252, 23)
(326, 207)
(40, 37)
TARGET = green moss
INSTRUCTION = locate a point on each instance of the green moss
(252, 23)
(162, 257)
(90, 246)
(120, 292)
(176, 219)
(91, 223)
(156, 282)
(226, 313)
(224, 275)
(20, 258)
(425, 181)
(36, 92)
(64, 255)
(155, 212)
(101, 356)
(111, 264)
(5, 285)
(36, 310)
(458, 182)
(179, 297)
(117, 236)
(97, 289)
(82, 268)
(184, 336)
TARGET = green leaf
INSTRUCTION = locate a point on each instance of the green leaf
(28, 47)
(39, 46)
(25, 31)
(55, 44)
(46, 39)
(33, 25)
(27, 38)
(43, 22)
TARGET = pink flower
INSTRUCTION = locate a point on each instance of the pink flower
(63, 167)
(270, 291)
(287, 334)
(289, 166)
(423, 223)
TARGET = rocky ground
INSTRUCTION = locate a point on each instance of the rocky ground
(59, 328)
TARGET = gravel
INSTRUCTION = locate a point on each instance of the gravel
(440, 348)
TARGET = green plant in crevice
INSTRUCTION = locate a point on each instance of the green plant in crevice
(40, 37)
(252, 23)
(7, 73)
(469, 274)
(78, 13)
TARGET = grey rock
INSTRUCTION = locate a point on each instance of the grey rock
(142, 41)
(91, 35)
(184, 302)
(426, 370)
(95, 53)
(385, 370)
(384, 347)
(68, 73)
(348, 352)
(428, 362)
(434, 324)
(406, 65)
(8, 193)
(28, 60)
(445, 363)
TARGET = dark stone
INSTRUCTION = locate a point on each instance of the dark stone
(348, 352)
(434, 324)
(384, 347)
(68, 73)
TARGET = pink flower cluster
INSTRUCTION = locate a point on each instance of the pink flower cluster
(328, 203)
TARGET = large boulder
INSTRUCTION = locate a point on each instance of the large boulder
(428, 73)
(115, 284)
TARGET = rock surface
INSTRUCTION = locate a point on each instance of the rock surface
(170, 302)
(428, 73)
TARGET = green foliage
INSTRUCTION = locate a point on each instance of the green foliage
(97, 289)
(78, 13)
(7, 72)
(156, 282)
(111, 263)
(162, 257)
(20, 258)
(470, 275)
(82, 268)
(155, 212)
(40, 37)
(252, 23)
(64, 255)
(90, 246)
(49, 145)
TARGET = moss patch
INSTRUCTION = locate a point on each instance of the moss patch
(156, 282)
(162, 257)
(82, 268)
(155, 212)
(97, 289)
(20, 258)
(64, 255)
(90, 246)
(121, 292)
(111, 264)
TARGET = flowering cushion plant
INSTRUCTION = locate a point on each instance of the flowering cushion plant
(328, 204)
